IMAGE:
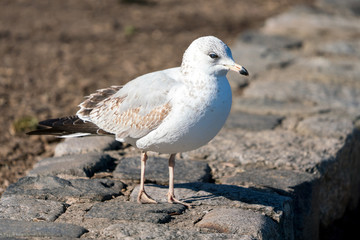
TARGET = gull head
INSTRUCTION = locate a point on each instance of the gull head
(210, 55)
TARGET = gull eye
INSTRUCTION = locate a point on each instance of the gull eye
(213, 55)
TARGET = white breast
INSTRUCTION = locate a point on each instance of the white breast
(197, 116)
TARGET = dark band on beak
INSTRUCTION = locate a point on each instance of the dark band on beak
(238, 68)
(243, 71)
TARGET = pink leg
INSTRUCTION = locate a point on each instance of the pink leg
(143, 197)
(171, 195)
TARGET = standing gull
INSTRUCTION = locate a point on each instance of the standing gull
(169, 111)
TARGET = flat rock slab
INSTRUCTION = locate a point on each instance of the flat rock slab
(157, 170)
(302, 187)
(340, 48)
(58, 189)
(328, 92)
(265, 57)
(13, 228)
(240, 221)
(86, 145)
(29, 209)
(297, 21)
(274, 205)
(344, 6)
(273, 106)
(271, 41)
(252, 122)
(326, 125)
(276, 179)
(145, 230)
(82, 165)
(154, 213)
(280, 149)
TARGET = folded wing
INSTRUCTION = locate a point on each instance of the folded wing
(132, 110)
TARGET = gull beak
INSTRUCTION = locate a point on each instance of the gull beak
(238, 68)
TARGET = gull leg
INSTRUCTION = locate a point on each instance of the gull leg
(143, 197)
(170, 194)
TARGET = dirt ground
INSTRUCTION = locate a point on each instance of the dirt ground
(52, 53)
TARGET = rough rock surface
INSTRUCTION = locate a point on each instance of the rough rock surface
(12, 228)
(159, 213)
(239, 221)
(286, 162)
(58, 189)
(29, 209)
(83, 165)
(92, 144)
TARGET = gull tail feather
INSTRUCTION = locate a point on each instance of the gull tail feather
(65, 127)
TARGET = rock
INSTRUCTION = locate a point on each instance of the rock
(325, 84)
(259, 58)
(346, 6)
(28, 209)
(326, 125)
(12, 228)
(81, 165)
(325, 69)
(242, 222)
(302, 187)
(58, 189)
(282, 181)
(271, 41)
(145, 230)
(259, 53)
(275, 206)
(262, 106)
(86, 145)
(252, 122)
(340, 48)
(282, 149)
(340, 181)
(305, 23)
(157, 170)
(130, 211)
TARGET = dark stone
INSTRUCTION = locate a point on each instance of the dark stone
(130, 211)
(58, 189)
(340, 48)
(84, 165)
(13, 228)
(302, 187)
(146, 230)
(271, 41)
(350, 5)
(29, 209)
(252, 122)
(283, 181)
(86, 145)
(240, 221)
(259, 58)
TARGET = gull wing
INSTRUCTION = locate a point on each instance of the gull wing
(134, 109)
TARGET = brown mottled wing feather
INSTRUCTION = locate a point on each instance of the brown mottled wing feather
(138, 108)
(94, 99)
(67, 126)
(130, 123)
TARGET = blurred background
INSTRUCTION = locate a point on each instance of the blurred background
(53, 53)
